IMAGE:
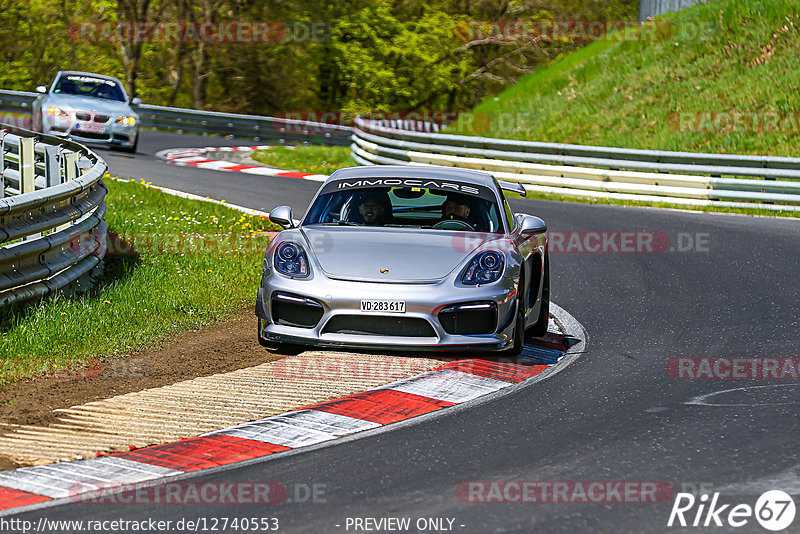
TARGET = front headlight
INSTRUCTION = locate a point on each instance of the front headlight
(58, 112)
(127, 121)
(291, 260)
(485, 268)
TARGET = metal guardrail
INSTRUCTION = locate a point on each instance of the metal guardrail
(52, 228)
(250, 126)
(586, 171)
(654, 8)
(212, 122)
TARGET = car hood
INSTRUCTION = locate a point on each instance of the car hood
(407, 255)
(83, 103)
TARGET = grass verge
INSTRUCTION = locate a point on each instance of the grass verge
(311, 159)
(717, 77)
(173, 265)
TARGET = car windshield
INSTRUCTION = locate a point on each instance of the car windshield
(80, 85)
(409, 207)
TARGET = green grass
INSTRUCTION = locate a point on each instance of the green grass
(726, 56)
(311, 159)
(196, 263)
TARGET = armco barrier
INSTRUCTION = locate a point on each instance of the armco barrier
(697, 179)
(212, 122)
(654, 8)
(586, 171)
(52, 231)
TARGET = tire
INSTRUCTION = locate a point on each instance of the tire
(519, 331)
(132, 149)
(539, 329)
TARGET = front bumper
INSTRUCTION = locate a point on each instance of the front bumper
(110, 134)
(341, 300)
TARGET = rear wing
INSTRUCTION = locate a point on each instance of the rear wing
(512, 187)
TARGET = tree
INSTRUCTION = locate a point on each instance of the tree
(133, 13)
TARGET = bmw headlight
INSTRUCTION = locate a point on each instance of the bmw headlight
(485, 268)
(127, 121)
(291, 260)
(52, 110)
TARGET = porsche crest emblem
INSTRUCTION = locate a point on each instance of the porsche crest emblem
(384, 271)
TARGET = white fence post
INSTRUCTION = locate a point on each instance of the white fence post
(2, 164)
(70, 162)
(27, 166)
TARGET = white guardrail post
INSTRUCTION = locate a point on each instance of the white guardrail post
(26, 166)
(686, 178)
(52, 227)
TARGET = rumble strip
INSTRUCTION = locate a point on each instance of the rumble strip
(203, 158)
(449, 385)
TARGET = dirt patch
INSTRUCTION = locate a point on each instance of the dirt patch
(219, 348)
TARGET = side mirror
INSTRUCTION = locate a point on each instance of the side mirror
(136, 101)
(41, 89)
(282, 216)
(532, 225)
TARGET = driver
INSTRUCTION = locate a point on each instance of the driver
(374, 207)
(456, 207)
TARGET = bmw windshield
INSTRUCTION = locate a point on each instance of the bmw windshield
(91, 86)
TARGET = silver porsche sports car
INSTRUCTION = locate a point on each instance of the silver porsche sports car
(90, 108)
(406, 258)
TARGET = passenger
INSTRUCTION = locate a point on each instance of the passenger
(456, 207)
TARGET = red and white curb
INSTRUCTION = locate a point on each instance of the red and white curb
(203, 158)
(451, 384)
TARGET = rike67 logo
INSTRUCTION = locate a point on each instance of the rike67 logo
(774, 510)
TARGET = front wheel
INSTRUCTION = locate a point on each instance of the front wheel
(131, 149)
(519, 322)
(540, 327)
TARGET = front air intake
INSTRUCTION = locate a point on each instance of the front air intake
(469, 318)
(294, 310)
(376, 325)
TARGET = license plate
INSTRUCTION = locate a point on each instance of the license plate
(90, 127)
(383, 306)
